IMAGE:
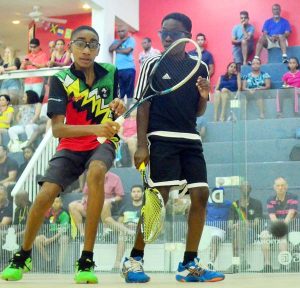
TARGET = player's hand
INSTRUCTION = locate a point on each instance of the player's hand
(203, 86)
(141, 155)
(117, 106)
(107, 130)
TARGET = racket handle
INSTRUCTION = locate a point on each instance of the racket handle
(120, 120)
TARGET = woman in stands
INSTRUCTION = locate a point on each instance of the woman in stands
(6, 114)
(291, 79)
(255, 83)
(227, 84)
(11, 87)
(60, 57)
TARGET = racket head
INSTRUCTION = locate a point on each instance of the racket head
(175, 67)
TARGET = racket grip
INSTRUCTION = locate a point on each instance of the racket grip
(120, 120)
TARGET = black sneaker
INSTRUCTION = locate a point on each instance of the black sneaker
(285, 60)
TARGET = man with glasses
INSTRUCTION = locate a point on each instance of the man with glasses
(34, 60)
(82, 104)
(207, 57)
(123, 48)
(242, 40)
(174, 152)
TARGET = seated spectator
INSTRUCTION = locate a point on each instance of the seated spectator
(8, 168)
(28, 152)
(114, 193)
(276, 31)
(6, 209)
(128, 134)
(6, 114)
(127, 222)
(244, 220)
(227, 85)
(22, 208)
(11, 87)
(51, 46)
(60, 56)
(34, 60)
(217, 215)
(242, 40)
(148, 50)
(57, 222)
(255, 83)
(26, 119)
(282, 206)
(290, 79)
(201, 126)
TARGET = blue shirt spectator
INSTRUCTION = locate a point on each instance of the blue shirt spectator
(272, 27)
(124, 61)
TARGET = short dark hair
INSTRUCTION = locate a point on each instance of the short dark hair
(7, 97)
(32, 97)
(81, 28)
(30, 147)
(244, 13)
(35, 41)
(148, 39)
(201, 34)
(62, 40)
(137, 186)
(185, 20)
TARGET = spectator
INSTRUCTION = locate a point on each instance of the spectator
(1, 60)
(51, 46)
(27, 118)
(6, 114)
(217, 215)
(129, 215)
(255, 83)
(207, 57)
(283, 206)
(11, 87)
(242, 40)
(22, 208)
(28, 152)
(56, 231)
(124, 61)
(227, 84)
(290, 79)
(8, 168)
(148, 50)
(244, 220)
(34, 60)
(276, 31)
(6, 209)
(60, 56)
(114, 193)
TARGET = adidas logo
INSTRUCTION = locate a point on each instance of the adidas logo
(166, 77)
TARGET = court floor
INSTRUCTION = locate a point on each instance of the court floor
(159, 281)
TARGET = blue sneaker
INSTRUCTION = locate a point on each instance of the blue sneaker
(133, 270)
(193, 272)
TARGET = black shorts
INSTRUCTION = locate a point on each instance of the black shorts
(175, 163)
(66, 166)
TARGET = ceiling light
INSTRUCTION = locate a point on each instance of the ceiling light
(16, 22)
(86, 6)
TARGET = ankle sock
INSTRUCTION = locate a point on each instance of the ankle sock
(188, 257)
(87, 255)
(137, 253)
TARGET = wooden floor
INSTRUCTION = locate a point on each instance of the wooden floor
(159, 281)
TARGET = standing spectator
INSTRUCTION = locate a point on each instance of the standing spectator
(207, 57)
(290, 79)
(255, 83)
(27, 117)
(244, 220)
(22, 208)
(60, 56)
(148, 50)
(28, 152)
(282, 206)
(242, 40)
(276, 31)
(6, 114)
(124, 61)
(34, 60)
(227, 84)
(8, 167)
(11, 87)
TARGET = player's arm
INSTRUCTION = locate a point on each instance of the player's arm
(203, 86)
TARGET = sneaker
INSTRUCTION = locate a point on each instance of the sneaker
(133, 270)
(194, 272)
(17, 266)
(285, 60)
(84, 272)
